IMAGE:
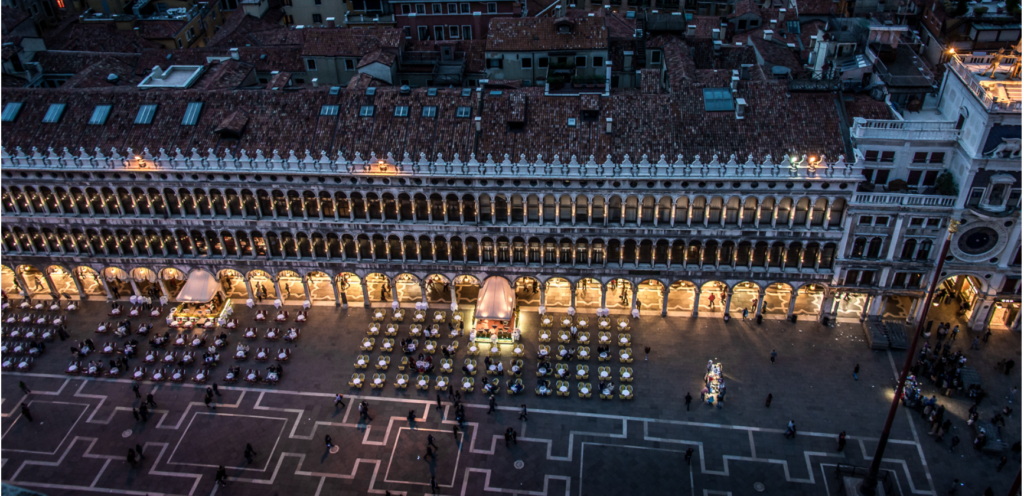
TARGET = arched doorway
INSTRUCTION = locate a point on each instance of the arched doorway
(438, 289)
(33, 277)
(262, 286)
(145, 280)
(744, 296)
(527, 291)
(808, 301)
(117, 281)
(957, 299)
(620, 295)
(378, 287)
(174, 280)
(233, 283)
(588, 293)
(90, 279)
(290, 283)
(408, 287)
(649, 294)
(712, 298)
(319, 284)
(467, 288)
(350, 288)
(681, 296)
(9, 281)
(557, 293)
(776, 300)
(63, 281)
(851, 305)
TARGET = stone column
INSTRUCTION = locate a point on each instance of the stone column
(423, 291)
(728, 301)
(871, 307)
(337, 296)
(163, 288)
(543, 300)
(277, 289)
(455, 296)
(915, 307)
(572, 295)
(827, 302)
(135, 287)
(636, 293)
(248, 289)
(106, 287)
(760, 303)
(894, 239)
(696, 301)
(305, 289)
(366, 292)
(792, 305)
(664, 302)
(980, 314)
(78, 285)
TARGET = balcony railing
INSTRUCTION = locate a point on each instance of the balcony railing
(388, 19)
(788, 169)
(968, 77)
(904, 199)
(904, 130)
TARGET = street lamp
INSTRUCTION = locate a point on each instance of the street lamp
(870, 483)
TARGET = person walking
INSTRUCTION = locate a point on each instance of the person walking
(337, 400)
(492, 404)
(746, 312)
(24, 388)
(689, 455)
(131, 458)
(956, 331)
(791, 430)
(768, 402)
(138, 451)
(149, 400)
(434, 488)
(522, 413)
(25, 412)
(430, 441)
(215, 390)
(364, 411)
(455, 432)
(974, 344)
(515, 436)
(438, 401)
(647, 352)
(327, 439)
(773, 354)
(842, 441)
(508, 436)
(135, 413)
(688, 399)
(430, 453)
(856, 370)
(144, 412)
(953, 443)
(222, 476)
(206, 400)
(135, 389)
(249, 452)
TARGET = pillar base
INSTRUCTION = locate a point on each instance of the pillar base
(853, 487)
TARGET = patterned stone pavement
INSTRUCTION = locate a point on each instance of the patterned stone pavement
(82, 427)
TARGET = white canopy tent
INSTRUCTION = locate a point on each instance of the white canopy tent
(496, 299)
(200, 287)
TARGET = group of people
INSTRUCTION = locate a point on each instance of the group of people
(941, 366)
(424, 363)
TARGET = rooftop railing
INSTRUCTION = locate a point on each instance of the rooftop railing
(789, 170)
(903, 199)
(904, 130)
(974, 84)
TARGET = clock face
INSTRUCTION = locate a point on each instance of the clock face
(978, 240)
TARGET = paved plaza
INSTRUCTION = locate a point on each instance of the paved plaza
(82, 427)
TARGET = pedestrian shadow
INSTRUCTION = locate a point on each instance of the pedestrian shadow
(327, 452)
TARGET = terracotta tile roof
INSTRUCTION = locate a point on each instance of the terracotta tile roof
(705, 25)
(160, 30)
(95, 75)
(238, 28)
(746, 7)
(817, 7)
(227, 74)
(7, 52)
(346, 42)
(94, 37)
(233, 124)
(809, 29)
(650, 81)
(378, 56)
(590, 102)
(859, 105)
(12, 81)
(279, 81)
(616, 54)
(678, 64)
(72, 62)
(667, 123)
(263, 59)
(278, 37)
(528, 34)
(775, 52)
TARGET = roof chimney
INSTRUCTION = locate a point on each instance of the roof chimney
(735, 82)
(608, 125)
(234, 53)
(330, 22)
(768, 34)
(722, 30)
(691, 30)
(477, 120)
(741, 108)
(782, 15)
(316, 82)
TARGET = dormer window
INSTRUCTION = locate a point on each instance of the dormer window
(563, 25)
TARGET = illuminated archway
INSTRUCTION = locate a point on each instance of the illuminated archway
(527, 291)
(319, 284)
(557, 293)
(350, 288)
(290, 283)
(619, 295)
(588, 293)
(776, 300)
(712, 298)
(63, 281)
(649, 295)
(467, 288)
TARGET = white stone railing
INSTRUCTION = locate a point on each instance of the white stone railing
(791, 168)
(988, 101)
(903, 199)
(903, 130)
